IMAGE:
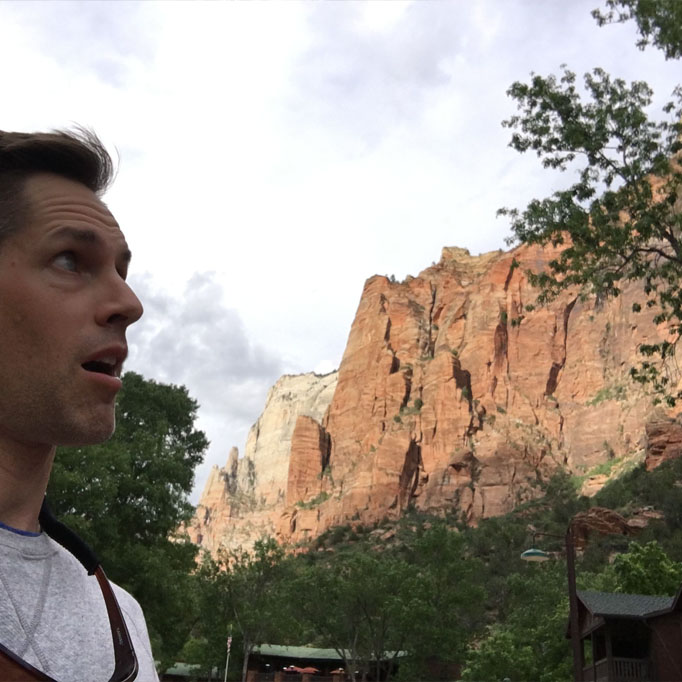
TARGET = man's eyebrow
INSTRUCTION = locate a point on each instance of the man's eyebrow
(89, 236)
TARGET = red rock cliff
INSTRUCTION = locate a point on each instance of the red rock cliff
(452, 396)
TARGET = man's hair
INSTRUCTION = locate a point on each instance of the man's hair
(75, 154)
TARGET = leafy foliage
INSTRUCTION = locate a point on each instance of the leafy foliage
(659, 22)
(452, 597)
(370, 602)
(128, 496)
(660, 489)
(499, 656)
(647, 569)
(250, 591)
(621, 220)
(527, 644)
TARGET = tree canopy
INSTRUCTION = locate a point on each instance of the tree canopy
(362, 603)
(659, 22)
(526, 642)
(647, 569)
(248, 593)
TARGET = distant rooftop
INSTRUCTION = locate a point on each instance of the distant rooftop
(302, 652)
(628, 605)
(306, 652)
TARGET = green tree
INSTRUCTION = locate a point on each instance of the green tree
(621, 219)
(363, 603)
(451, 602)
(128, 496)
(647, 569)
(207, 643)
(528, 642)
(659, 22)
(499, 656)
(249, 590)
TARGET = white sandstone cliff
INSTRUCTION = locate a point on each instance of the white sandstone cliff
(243, 500)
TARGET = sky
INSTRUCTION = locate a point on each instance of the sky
(274, 155)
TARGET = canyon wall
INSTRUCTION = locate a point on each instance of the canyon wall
(451, 396)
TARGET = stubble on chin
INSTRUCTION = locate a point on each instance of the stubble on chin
(65, 422)
(90, 427)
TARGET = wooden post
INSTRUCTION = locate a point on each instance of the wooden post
(576, 644)
(609, 652)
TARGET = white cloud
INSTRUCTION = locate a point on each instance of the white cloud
(196, 341)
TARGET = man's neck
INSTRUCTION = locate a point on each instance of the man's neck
(24, 473)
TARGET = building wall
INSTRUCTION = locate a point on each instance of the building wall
(666, 647)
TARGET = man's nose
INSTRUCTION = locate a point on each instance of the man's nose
(122, 308)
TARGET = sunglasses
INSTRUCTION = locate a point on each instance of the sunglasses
(15, 669)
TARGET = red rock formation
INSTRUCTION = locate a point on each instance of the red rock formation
(309, 458)
(664, 441)
(453, 396)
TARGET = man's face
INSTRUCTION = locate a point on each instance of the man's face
(64, 310)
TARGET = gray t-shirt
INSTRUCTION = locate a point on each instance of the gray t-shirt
(52, 613)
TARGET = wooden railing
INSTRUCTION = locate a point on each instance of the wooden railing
(630, 669)
(623, 670)
(597, 674)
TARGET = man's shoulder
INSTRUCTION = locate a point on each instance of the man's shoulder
(130, 607)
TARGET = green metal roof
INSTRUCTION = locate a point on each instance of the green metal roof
(626, 605)
(302, 652)
(185, 669)
(307, 653)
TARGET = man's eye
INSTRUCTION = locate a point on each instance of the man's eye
(67, 261)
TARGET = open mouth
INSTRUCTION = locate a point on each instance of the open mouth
(100, 367)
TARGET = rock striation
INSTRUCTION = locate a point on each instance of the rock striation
(452, 396)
